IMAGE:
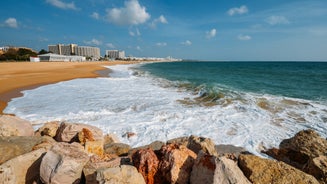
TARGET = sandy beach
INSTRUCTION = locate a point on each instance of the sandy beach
(18, 76)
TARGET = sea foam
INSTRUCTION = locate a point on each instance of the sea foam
(127, 102)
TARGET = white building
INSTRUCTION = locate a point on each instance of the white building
(34, 59)
(57, 57)
(115, 54)
(91, 52)
(73, 49)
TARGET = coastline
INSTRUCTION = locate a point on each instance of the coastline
(19, 76)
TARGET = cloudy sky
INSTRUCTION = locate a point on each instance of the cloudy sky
(205, 30)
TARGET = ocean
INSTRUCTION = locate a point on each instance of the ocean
(248, 104)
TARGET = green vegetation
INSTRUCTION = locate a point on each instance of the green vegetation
(20, 54)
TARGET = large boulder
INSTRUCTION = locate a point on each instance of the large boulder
(197, 144)
(22, 169)
(298, 150)
(176, 164)
(306, 151)
(14, 126)
(259, 170)
(317, 167)
(96, 163)
(77, 132)
(48, 129)
(13, 146)
(63, 163)
(146, 163)
(122, 174)
(209, 169)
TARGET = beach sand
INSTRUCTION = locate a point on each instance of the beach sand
(18, 76)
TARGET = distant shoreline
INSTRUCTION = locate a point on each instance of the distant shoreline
(19, 76)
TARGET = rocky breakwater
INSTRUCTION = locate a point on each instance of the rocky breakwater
(64, 152)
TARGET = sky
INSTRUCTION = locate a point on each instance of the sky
(219, 30)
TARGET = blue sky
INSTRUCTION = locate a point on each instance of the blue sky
(205, 30)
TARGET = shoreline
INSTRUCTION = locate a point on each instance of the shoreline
(16, 77)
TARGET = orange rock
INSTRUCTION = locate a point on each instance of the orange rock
(146, 162)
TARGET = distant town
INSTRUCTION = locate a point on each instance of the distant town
(69, 52)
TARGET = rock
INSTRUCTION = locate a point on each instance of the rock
(146, 163)
(155, 146)
(85, 135)
(22, 169)
(18, 145)
(111, 138)
(259, 170)
(95, 163)
(14, 126)
(122, 174)
(119, 149)
(229, 149)
(179, 141)
(63, 163)
(299, 150)
(129, 134)
(197, 144)
(68, 132)
(94, 147)
(317, 167)
(209, 169)
(175, 165)
(48, 129)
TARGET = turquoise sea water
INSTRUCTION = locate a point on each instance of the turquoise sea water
(304, 80)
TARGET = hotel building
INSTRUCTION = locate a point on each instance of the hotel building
(74, 49)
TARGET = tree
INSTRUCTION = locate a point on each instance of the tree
(43, 52)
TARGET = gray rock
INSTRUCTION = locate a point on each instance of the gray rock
(22, 169)
(63, 163)
(209, 169)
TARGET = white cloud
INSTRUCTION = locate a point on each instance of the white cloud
(110, 45)
(161, 44)
(212, 33)
(136, 33)
(11, 22)
(131, 14)
(62, 5)
(187, 43)
(93, 42)
(244, 37)
(95, 15)
(160, 19)
(275, 20)
(241, 10)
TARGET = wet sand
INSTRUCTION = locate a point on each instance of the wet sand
(18, 76)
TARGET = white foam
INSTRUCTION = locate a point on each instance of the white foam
(127, 103)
